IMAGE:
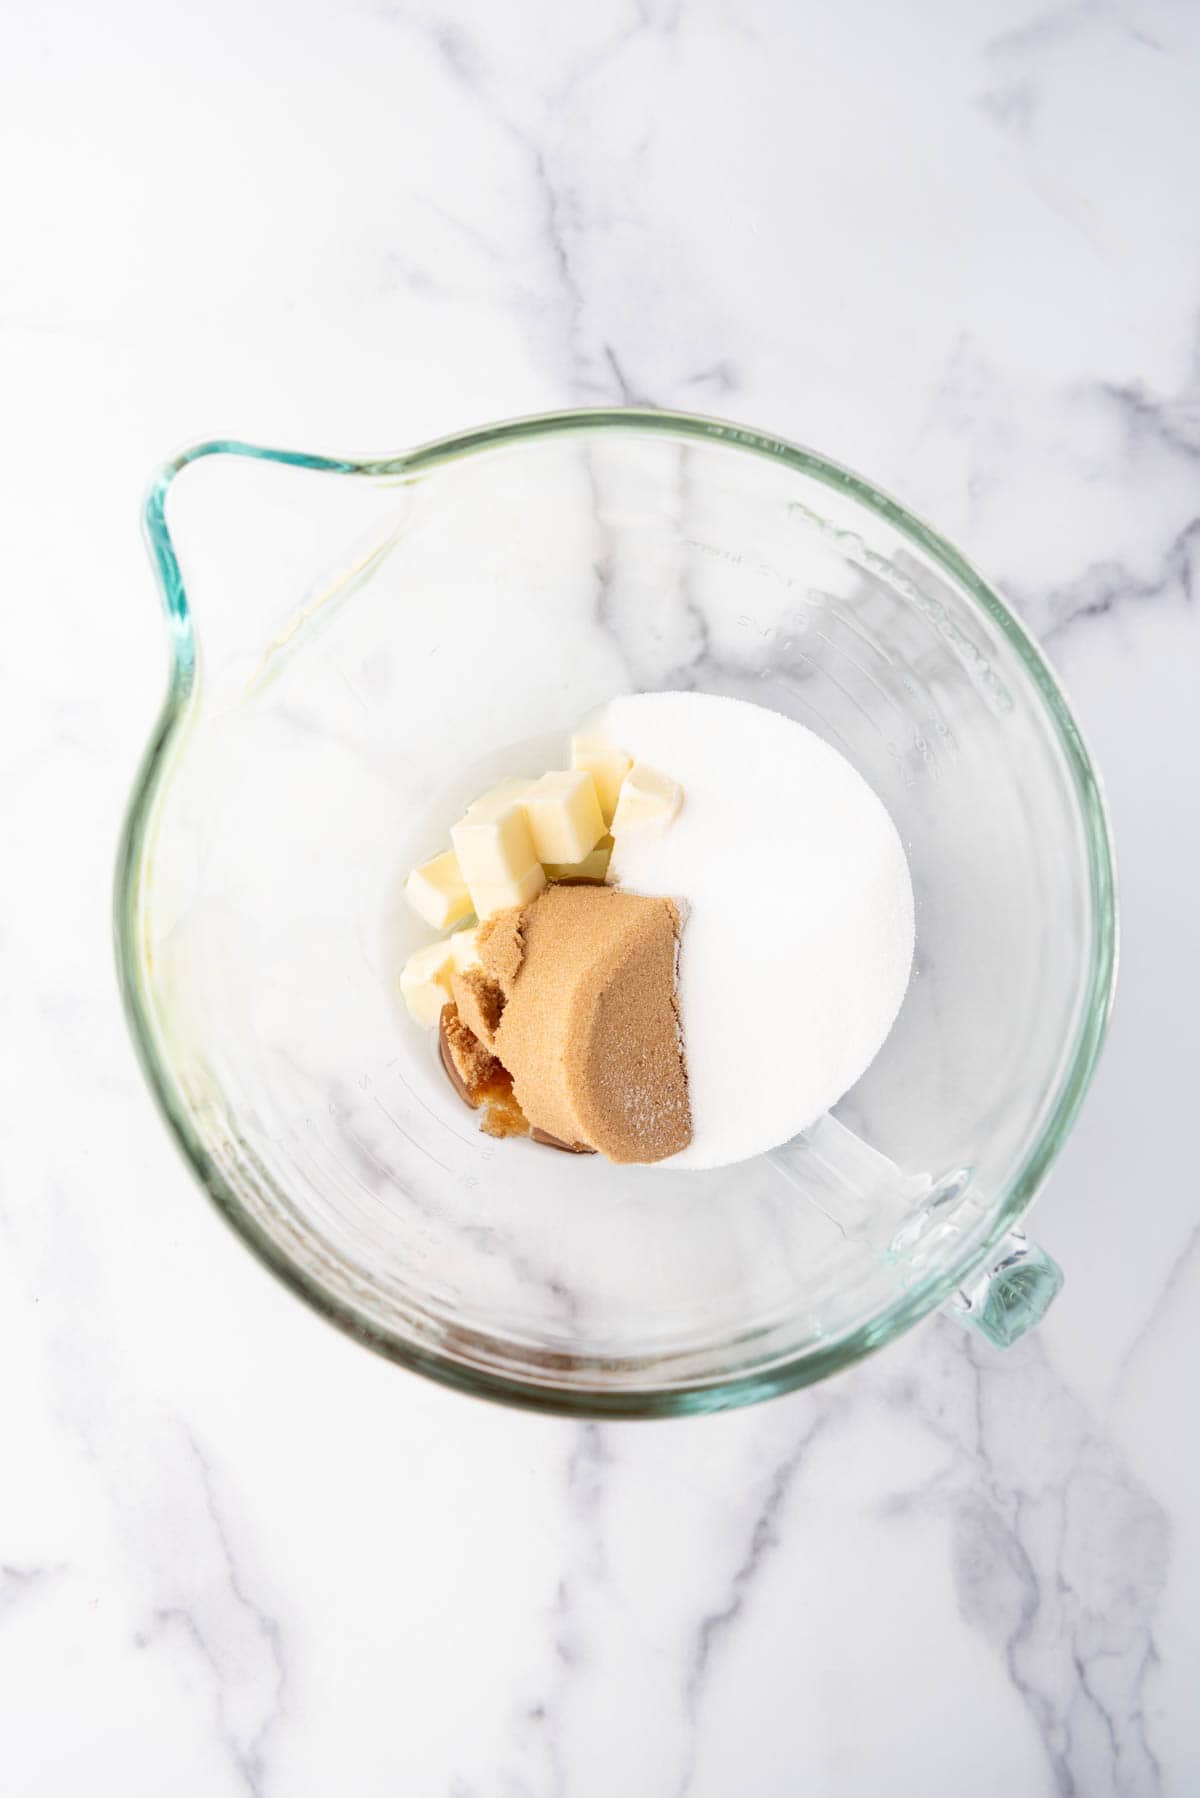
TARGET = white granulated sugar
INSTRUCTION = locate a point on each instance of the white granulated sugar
(799, 936)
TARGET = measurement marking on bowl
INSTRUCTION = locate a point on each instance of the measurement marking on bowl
(344, 1167)
(844, 618)
(364, 1084)
(794, 687)
(467, 1141)
(396, 1124)
(845, 691)
(917, 690)
(865, 672)
(935, 613)
(334, 1172)
(340, 1167)
(366, 1150)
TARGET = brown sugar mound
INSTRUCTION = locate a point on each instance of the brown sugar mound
(478, 1078)
(590, 1025)
(481, 1082)
(480, 1002)
(472, 1067)
(501, 946)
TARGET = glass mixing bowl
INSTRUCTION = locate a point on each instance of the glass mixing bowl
(380, 639)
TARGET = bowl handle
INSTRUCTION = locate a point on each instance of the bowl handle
(868, 1198)
(1011, 1294)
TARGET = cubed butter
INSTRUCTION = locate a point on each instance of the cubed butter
(608, 765)
(564, 816)
(438, 893)
(593, 866)
(464, 948)
(494, 846)
(425, 981)
(648, 801)
(491, 896)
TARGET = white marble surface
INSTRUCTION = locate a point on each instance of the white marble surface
(957, 247)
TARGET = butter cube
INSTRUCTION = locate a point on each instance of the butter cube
(464, 948)
(494, 846)
(491, 896)
(425, 981)
(592, 752)
(564, 816)
(437, 891)
(592, 867)
(648, 801)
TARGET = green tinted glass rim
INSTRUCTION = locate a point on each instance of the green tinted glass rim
(652, 1400)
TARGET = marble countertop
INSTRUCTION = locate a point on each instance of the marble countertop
(955, 247)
